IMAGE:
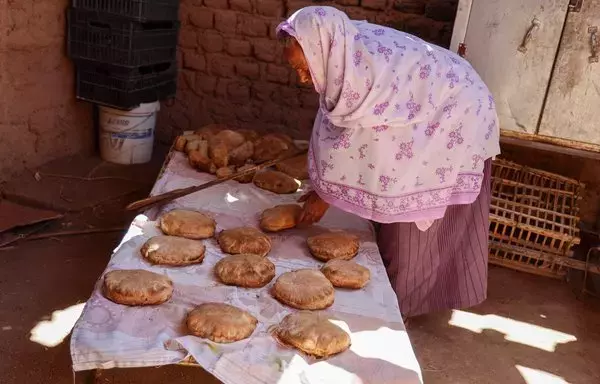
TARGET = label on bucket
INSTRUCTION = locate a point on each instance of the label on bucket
(134, 135)
(117, 122)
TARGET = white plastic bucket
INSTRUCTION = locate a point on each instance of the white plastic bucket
(127, 137)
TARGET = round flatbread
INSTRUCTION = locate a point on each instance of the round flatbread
(136, 287)
(245, 270)
(269, 147)
(346, 274)
(312, 333)
(221, 323)
(171, 250)
(244, 240)
(189, 224)
(275, 181)
(246, 178)
(304, 289)
(280, 217)
(333, 245)
(296, 167)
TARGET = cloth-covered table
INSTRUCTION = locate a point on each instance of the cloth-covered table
(108, 335)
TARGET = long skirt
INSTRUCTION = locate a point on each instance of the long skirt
(444, 267)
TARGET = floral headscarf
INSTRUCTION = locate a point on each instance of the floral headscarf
(403, 128)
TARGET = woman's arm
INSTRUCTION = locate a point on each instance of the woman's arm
(314, 208)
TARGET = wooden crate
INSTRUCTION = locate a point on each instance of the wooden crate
(533, 219)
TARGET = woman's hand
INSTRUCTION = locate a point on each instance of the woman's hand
(313, 210)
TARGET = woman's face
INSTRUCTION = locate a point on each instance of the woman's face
(295, 57)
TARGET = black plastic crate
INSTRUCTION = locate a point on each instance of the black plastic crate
(105, 39)
(139, 10)
(124, 88)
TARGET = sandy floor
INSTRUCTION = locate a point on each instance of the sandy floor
(530, 330)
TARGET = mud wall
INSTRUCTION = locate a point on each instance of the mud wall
(232, 70)
(39, 117)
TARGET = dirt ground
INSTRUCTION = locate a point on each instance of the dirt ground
(530, 330)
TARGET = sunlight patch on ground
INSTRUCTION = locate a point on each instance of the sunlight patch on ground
(51, 333)
(515, 331)
(535, 376)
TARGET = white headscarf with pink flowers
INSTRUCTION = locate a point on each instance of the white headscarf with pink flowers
(404, 127)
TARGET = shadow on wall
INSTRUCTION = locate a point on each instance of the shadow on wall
(40, 119)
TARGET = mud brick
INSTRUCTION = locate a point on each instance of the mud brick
(193, 60)
(410, 6)
(373, 4)
(441, 10)
(277, 74)
(211, 41)
(271, 8)
(202, 17)
(236, 47)
(217, 4)
(309, 99)
(252, 26)
(188, 38)
(238, 92)
(241, 5)
(248, 69)
(266, 50)
(225, 21)
(221, 65)
(263, 91)
(205, 83)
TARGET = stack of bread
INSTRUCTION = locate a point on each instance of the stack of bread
(222, 151)
(245, 261)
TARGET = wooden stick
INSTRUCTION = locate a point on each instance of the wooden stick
(75, 232)
(177, 193)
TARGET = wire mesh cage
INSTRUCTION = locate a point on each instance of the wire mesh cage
(534, 219)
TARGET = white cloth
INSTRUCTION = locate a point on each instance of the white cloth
(109, 335)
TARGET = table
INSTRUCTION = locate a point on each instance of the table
(108, 335)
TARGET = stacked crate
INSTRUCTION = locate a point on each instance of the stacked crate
(124, 50)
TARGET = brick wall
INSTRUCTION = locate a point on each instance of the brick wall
(232, 70)
(39, 117)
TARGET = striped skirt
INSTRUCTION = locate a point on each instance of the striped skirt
(444, 267)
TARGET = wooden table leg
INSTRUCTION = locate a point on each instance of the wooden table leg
(92, 376)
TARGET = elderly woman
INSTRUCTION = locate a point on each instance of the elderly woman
(404, 136)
